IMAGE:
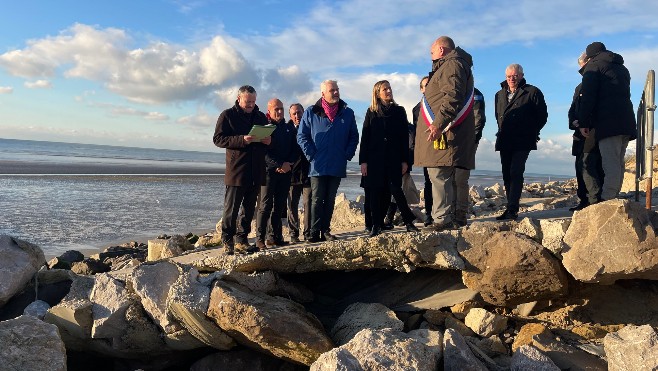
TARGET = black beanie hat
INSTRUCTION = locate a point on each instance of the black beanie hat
(594, 48)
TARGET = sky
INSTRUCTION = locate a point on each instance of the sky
(157, 73)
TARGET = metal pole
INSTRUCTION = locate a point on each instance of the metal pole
(650, 107)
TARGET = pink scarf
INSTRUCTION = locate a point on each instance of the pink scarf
(330, 110)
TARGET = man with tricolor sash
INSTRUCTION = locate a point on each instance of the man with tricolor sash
(446, 115)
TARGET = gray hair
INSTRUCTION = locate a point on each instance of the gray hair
(516, 67)
(582, 59)
(326, 82)
(246, 89)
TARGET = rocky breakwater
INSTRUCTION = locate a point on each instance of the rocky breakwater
(543, 294)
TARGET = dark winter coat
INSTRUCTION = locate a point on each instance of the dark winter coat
(384, 146)
(245, 163)
(521, 119)
(301, 167)
(578, 139)
(450, 83)
(283, 147)
(605, 102)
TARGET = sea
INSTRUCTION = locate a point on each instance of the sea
(72, 196)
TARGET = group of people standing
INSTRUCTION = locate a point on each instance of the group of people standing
(307, 156)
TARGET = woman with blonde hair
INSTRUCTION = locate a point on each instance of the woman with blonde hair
(383, 156)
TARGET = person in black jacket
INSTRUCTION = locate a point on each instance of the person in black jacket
(245, 162)
(300, 184)
(280, 156)
(383, 156)
(589, 173)
(605, 105)
(521, 113)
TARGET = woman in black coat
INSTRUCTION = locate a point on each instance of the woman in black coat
(383, 156)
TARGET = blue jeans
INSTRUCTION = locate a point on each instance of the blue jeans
(323, 198)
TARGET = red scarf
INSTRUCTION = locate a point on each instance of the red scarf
(330, 110)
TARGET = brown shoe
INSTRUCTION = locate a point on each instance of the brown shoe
(228, 248)
(261, 246)
(242, 248)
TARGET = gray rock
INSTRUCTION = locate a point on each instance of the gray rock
(385, 350)
(19, 261)
(485, 323)
(89, 267)
(359, 316)
(457, 355)
(403, 252)
(28, 343)
(73, 315)
(565, 356)
(274, 325)
(167, 248)
(632, 348)
(110, 302)
(337, 359)
(271, 283)
(510, 269)
(553, 232)
(37, 308)
(530, 358)
(151, 283)
(609, 241)
(188, 302)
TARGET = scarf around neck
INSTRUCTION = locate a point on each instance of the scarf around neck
(330, 110)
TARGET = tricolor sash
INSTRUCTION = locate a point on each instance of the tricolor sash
(428, 116)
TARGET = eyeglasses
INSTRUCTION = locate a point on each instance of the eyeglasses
(513, 76)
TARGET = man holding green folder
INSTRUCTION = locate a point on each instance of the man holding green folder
(245, 167)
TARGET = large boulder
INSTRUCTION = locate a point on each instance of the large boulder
(274, 325)
(611, 240)
(458, 355)
(151, 283)
(403, 252)
(632, 348)
(73, 315)
(347, 214)
(510, 269)
(19, 261)
(163, 248)
(28, 343)
(188, 301)
(359, 316)
(385, 349)
(530, 358)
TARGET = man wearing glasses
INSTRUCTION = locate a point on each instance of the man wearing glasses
(521, 113)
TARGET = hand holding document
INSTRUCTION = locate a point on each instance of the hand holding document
(258, 132)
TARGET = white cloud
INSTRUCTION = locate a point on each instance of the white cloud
(6, 89)
(38, 84)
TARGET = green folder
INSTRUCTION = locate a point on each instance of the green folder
(260, 131)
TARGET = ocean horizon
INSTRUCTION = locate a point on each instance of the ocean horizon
(72, 196)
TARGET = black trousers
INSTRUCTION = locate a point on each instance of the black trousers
(513, 164)
(238, 199)
(323, 198)
(429, 201)
(372, 196)
(295, 193)
(581, 191)
(379, 199)
(273, 198)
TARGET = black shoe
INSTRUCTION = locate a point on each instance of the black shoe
(580, 206)
(329, 237)
(508, 215)
(314, 239)
(376, 230)
(411, 227)
(439, 227)
(428, 221)
(460, 223)
(367, 230)
(294, 239)
(387, 226)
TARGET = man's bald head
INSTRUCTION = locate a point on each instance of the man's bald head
(275, 109)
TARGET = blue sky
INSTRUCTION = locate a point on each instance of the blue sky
(158, 73)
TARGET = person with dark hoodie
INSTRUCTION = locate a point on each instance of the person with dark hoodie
(280, 156)
(521, 113)
(245, 165)
(589, 174)
(328, 137)
(605, 107)
(448, 138)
